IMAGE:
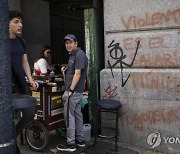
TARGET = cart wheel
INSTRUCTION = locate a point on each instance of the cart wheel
(61, 132)
(36, 136)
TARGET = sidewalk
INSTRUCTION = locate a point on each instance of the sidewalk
(102, 147)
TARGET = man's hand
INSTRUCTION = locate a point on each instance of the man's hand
(34, 84)
(63, 69)
(70, 93)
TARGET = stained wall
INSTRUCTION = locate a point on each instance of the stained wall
(145, 77)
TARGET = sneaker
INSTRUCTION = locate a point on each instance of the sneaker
(66, 147)
(80, 144)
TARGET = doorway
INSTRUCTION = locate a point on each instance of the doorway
(64, 21)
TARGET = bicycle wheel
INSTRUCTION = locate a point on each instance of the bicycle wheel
(36, 136)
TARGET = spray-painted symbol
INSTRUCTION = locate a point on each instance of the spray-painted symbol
(117, 53)
(110, 92)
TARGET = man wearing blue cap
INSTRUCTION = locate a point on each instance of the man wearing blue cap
(75, 77)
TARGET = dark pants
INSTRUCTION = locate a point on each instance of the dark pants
(75, 117)
(27, 114)
(25, 119)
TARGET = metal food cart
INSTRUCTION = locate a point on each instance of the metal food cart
(49, 114)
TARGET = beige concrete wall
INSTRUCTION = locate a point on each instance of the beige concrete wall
(158, 49)
(141, 14)
(148, 88)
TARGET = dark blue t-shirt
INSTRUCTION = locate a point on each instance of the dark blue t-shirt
(77, 60)
(17, 52)
(18, 49)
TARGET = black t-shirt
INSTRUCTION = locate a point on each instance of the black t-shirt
(77, 60)
(17, 49)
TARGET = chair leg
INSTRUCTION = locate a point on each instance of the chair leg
(99, 123)
(117, 131)
(22, 138)
(98, 127)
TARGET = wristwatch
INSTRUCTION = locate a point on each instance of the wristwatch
(71, 90)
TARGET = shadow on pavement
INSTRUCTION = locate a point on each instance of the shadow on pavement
(102, 147)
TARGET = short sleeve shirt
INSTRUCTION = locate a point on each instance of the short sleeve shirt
(42, 65)
(18, 49)
(77, 60)
(17, 52)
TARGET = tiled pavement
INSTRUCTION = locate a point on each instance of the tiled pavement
(102, 147)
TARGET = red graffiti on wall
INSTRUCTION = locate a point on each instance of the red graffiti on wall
(110, 92)
(158, 60)
(151, 20)
(152, 117)
(152, 42)
(158, 51)
(162, 82)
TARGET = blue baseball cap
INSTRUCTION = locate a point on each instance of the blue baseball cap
(70, 37)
